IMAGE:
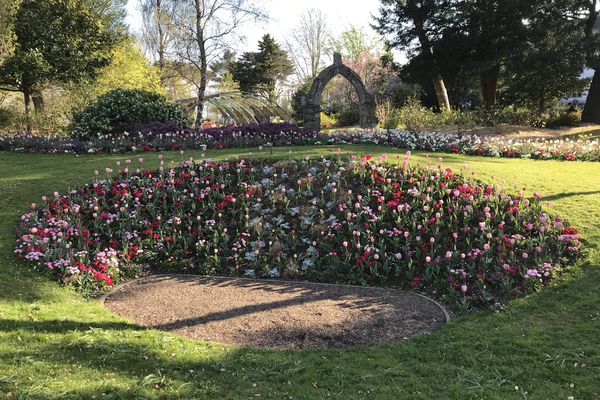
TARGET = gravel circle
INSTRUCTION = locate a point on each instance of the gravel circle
(274, 314)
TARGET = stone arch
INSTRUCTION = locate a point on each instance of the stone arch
(312, 102)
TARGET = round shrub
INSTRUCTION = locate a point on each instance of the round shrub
(7, 118)
(331, 220)
(348, 116)
(113, 109)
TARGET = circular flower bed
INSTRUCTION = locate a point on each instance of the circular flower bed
(360, 221)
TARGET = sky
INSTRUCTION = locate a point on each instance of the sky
(284, 16)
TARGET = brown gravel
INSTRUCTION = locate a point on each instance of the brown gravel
(275, 314)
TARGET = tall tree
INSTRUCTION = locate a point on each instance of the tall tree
(415, 25)
(221, 72)
(112, 13)
(486, 35)
(158, 29)
(591, 111)
(261, 71)
(549, 64)
(8, 9)
(56, 41)
(129, 69)
(204, 30)
(307, 44)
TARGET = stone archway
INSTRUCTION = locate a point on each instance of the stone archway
(312, 102)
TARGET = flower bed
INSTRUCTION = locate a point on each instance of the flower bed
(166, 137)
(362, 222)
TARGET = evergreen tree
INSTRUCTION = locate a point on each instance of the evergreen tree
(261, 71)
(273, 65)
(406, 22)
(549, 64)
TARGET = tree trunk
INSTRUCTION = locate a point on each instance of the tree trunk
(591, 111)
(441, 93)
(161, 38)
(203, 61)
(38, 101)
(27, 101)
(489, 84)
(201, 97)
(438, 81)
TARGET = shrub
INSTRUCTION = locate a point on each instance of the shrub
(567, 118)
(111, 110)
(7, 118)
(415, 117)
(327, 121)
(387, 115)
(553, 117)
(348, 116)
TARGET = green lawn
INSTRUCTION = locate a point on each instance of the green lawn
(54, 344)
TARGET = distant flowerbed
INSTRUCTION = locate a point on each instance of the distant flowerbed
(360, 221)
(165, 137)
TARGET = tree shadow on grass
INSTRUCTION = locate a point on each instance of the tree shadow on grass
(141, 368)
(113, 363)
(157, 365)
(63, 326)
(560, 196)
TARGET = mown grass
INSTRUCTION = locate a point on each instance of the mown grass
(54, 344)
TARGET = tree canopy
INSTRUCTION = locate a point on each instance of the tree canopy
(55, 41)
(129, 69)
(260, 71)
(528, 52)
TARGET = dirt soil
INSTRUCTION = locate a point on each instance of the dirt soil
(275, 314)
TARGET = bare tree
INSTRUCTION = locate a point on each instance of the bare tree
(157, 28)
(307, 44)
(204, 29)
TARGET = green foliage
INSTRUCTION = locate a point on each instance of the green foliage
(415, 117)
(299, 94)
(259, 72)
(566, 118)
(112, 14)
(129, 69)
(523, 52)
(7, 118)
(327, 121)
(551, 117)
(124, 107)
(8, 9)
(56, 41)
(221, 72)
(387, 115)
(348, 115)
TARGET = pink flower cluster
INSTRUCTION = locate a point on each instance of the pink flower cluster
(353, 221)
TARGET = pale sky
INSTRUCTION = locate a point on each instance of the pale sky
(284, 17)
